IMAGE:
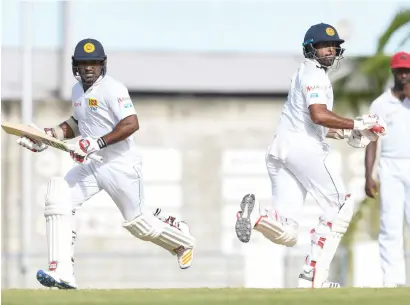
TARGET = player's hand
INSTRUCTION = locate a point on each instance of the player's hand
(32, 144)
(372, 123)
(370, 187)
(83, 148)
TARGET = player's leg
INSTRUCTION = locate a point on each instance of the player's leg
(310, 166)
(63, 196)
(124, 183)
(276, 224)
(406, 175)
(392, 200)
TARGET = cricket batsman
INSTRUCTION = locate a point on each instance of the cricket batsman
(104, 119)
(297, 161)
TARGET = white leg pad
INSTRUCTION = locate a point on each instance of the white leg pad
(150, 228)
(58, 213)
(278, 229)
(326, 238)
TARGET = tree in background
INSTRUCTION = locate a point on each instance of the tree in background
(365, 78)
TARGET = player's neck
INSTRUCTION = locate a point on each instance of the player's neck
(86, 87)
(398, 94)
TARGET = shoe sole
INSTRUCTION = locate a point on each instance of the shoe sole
(243, 225)
(187, 266)
(48, 281)
(45, 279)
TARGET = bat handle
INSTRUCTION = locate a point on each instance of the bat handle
(91, 156)
(95, 157)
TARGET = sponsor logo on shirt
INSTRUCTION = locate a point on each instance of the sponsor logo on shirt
(125, 102)
(310, 88)
(314, 87)
(123, 99)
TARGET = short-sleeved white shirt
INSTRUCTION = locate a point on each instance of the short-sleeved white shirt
(310, 85)
(100, 109)
(396, 114)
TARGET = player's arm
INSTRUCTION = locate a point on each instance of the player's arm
(316, 100)
(370, 158)
(315, 90)
(66, 130)
(123, 109)
(320, 115)
(125, 128)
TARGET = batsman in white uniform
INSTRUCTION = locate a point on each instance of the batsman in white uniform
(393, 171)
(297, 161)
(104, 119)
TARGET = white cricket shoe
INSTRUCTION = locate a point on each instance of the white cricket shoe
(306, 281)
(52, 279)
(184, 255)
(246, 218)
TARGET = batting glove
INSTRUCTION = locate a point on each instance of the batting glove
(84, 147)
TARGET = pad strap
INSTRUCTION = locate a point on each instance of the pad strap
(280, 230)
(150, 228)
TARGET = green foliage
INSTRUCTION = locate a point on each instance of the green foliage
(369, 75)
(402, 19)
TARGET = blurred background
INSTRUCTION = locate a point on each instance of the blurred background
(208, 80)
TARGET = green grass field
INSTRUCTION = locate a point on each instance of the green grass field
(357, 296)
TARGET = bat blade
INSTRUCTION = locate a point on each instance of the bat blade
(22, 130)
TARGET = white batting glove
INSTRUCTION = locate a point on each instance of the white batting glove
(371, 122)
(339, 134)
(357, 140)
(84, 147)
(32, 144)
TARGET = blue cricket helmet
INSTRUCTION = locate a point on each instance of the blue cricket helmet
(88, 50)
(322, 33)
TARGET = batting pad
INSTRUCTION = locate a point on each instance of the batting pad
(278, 229)
(150, 228)
(326, 238)
(58, 215)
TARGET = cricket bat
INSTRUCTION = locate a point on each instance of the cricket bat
(21, 130)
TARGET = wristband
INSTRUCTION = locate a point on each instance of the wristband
(101, 142)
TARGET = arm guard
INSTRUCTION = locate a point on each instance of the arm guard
(58, 132)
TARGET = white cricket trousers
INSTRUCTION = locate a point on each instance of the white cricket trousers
(120, 178)
(295, 168)
(394, 177)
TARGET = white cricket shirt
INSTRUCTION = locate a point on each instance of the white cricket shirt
(100, 109)
(310, 85)
(395, 144)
